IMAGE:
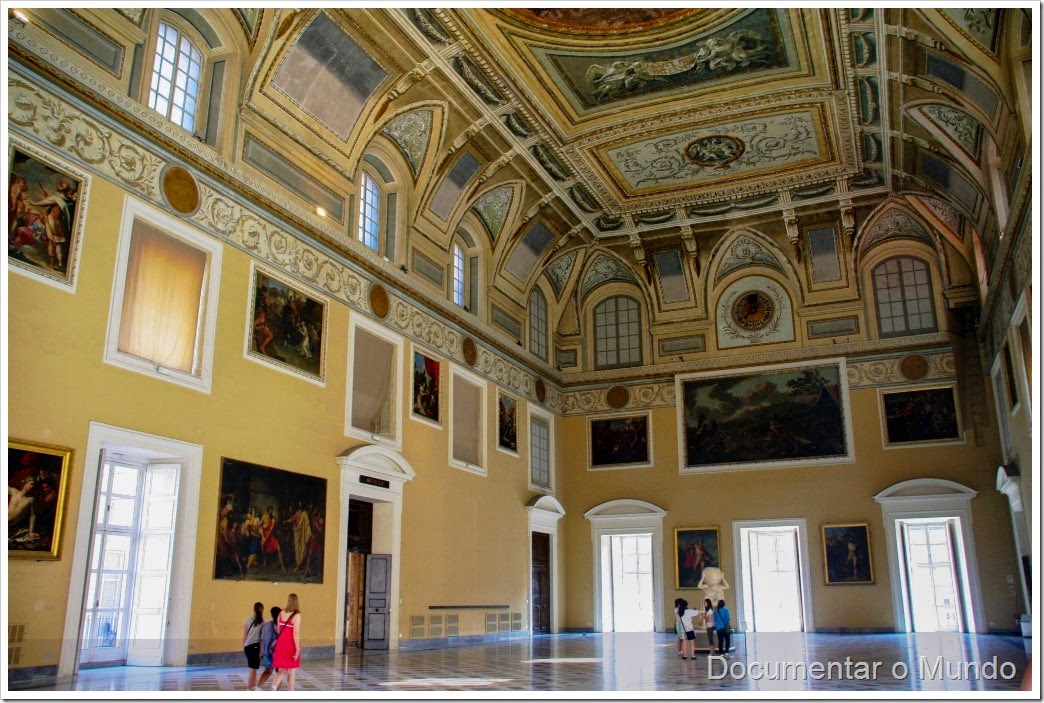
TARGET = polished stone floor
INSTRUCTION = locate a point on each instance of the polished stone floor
(635, 665)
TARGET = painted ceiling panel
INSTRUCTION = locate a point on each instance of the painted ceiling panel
(328, 75)
(453, 185)
(757, 41)
(411, 133)
(718, 152)
(529, 250)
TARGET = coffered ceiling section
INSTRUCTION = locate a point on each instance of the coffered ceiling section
(676, 107)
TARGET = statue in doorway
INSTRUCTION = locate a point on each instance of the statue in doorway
(713, 584)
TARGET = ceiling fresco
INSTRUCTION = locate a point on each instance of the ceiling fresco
(759, 41)
(603, 20)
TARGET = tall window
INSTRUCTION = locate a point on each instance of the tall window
(369, 212)
(164, 306)
(903, 291)
(176, 73)
(617, 329)
(541, 466)
(374, 399)
(458, 276)
(538, 324)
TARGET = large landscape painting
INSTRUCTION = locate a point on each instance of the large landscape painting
(785, 415)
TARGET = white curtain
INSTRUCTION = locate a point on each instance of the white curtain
(162, 299)
(371, 379)
(467, 422)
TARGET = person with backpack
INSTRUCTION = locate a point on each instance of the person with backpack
(268, 637)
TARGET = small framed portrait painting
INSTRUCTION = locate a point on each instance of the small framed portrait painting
(846, 554)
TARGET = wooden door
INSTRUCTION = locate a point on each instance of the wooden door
(541, 582)
(353, 600)
(378, 601)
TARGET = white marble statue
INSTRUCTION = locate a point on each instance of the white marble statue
(713, 584)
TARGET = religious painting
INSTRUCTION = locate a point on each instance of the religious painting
(846, 554)
(37, 480)
(47, 203)
(271, 524)
(507, 423)
(771, 416)
(425, 388)
(619, 442)
(920, 416)
(286, 326)
(694, 549)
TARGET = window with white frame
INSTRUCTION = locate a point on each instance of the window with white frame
(374, 384)
(541, 450)
(458, 276)
(164, 303)
(538, 324)
(468, 401)
(177, 72)
(903, 292)
(369, 212)
(617, 332)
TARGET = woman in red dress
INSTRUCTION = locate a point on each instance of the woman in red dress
(286, 657)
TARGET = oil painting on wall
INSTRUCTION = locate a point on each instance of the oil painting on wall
(619, 442)
(46, 204)
(925, 415)
(425, 387)
(271, 524)
(772, 416)
(37, 476)
(846, 554)
(695, 548)
(288, 328)
(507, 423)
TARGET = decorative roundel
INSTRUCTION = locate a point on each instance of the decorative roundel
(379, 301)
(470, 351)
(753, 310)
(914, 367)
(180, 189)
(541, 390)
(617, 397)
(715, 150)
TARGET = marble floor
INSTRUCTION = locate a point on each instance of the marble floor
(634, 665)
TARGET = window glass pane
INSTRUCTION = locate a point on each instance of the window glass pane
(369, 212)
(902, 287)
(458, 275)
(538, 324)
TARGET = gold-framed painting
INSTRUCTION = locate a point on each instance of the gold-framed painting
(847, 559)
(47, 209)
(695, 548)
(286, 327)
(37, 481)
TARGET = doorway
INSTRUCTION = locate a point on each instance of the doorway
(772, 579)
(627, 571)
(932, 582)
(360, 541)
(139, 517)
(541, 577)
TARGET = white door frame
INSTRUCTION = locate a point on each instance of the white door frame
(805, 574)
(384, 464)
(544, 514)
(627, 517)
(145, 448)
(920, 498)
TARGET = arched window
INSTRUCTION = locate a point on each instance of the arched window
(903, 292)
(369, 212)
(617, 332)
(176, 74)
(538, 324)
(465, 257)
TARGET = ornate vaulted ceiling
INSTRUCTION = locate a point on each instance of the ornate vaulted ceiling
(655, 148)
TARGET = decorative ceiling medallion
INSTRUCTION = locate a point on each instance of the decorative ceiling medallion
(914, 367)
(717, 150)
(470, 352)
(617, 397)
(180, 189)
(379, 301)
(753, 311)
